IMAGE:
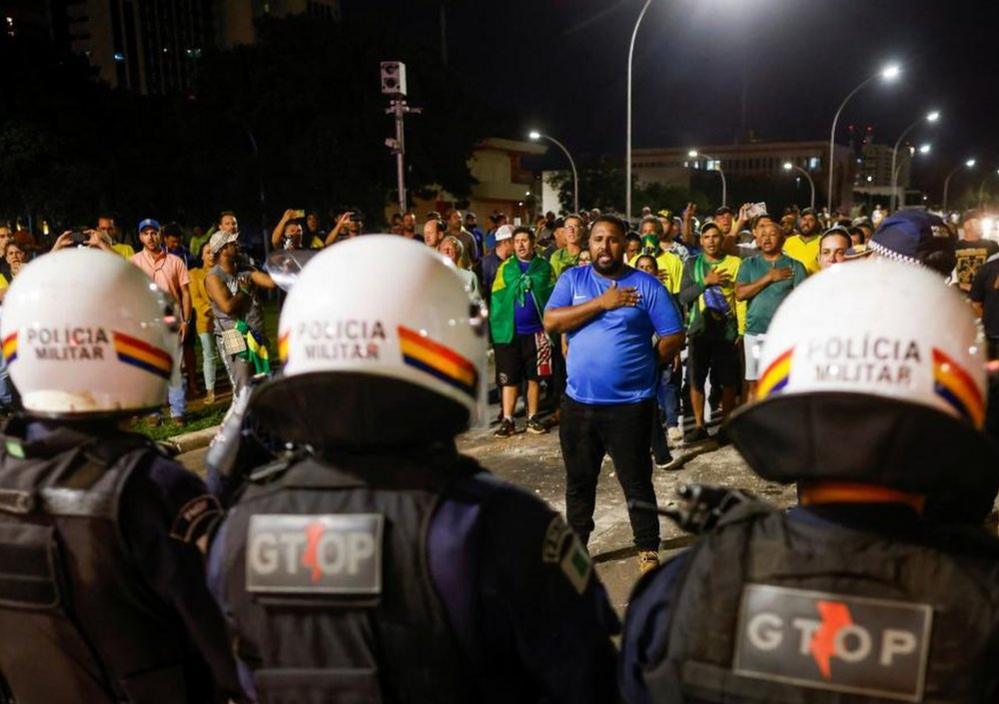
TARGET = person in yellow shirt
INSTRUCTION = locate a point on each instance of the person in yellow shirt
(203, 319)
(708, 287)
(805, 246)
(106, 225)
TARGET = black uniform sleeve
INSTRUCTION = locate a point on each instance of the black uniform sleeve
(165, 516)
(542, 599)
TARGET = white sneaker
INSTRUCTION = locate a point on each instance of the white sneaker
(674, 436)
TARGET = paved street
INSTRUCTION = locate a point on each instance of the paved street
(535, 462)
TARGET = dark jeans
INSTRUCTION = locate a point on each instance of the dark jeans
(588, 432)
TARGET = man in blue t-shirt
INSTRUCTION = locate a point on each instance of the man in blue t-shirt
(609, 313)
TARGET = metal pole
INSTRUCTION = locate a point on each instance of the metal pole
(627, 154)
(832, 139)
(811, 183)
(894, 156)
(720, 173)
(400, 153)
(575, 174)
(946, 186)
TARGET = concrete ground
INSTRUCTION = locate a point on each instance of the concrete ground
(535, 463)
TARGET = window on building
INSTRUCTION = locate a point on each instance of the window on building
(814, 162)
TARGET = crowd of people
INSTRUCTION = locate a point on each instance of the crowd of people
(350, 553)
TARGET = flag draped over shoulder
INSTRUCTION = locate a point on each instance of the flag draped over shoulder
(512, 286)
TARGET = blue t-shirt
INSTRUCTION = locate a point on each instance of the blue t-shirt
(525, 317)
(611, 358)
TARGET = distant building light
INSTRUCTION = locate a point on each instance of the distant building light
(813, 162)
(166, 50)
(118, 56)
(870, 178)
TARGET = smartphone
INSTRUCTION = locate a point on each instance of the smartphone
(298, 214)
(78, 237)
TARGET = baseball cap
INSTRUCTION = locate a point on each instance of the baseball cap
(908, 236)
(723, 210)
(504, 232)
(220, 239)
(147, 223)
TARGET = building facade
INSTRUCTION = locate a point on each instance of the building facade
(675, 166)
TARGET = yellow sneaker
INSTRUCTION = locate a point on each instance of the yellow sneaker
(648, 560)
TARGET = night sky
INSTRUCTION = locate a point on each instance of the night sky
(561, 65)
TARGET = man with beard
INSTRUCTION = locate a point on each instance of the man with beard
(805, 246)
(409, 226)
(609, 313)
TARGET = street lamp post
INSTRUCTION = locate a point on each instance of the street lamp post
(788, 166)
(929, 117)
(969, 164)
(693, 154)
(627, 154)
(888, 73)
(535, 136)
(923, 149)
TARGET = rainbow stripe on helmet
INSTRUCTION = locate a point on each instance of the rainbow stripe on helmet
(439, 361)
(10, 347)
(131, 350)
(955, 386)
(776, 375)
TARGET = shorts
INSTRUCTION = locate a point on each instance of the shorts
(719, 356)
(753, 344)
(517, 360)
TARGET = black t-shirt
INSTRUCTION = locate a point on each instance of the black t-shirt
(970, 258)
(984, 291)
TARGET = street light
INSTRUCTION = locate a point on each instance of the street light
(693, 154)
(627, 153)
(923, 149)
(788, 166)
(888, 73)
(969, 164)
(931, 117)
(534, 135)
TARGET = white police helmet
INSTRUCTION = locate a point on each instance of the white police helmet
(872, 371)
(86, 333)
(380, 344)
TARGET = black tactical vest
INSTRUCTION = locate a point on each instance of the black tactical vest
(772, 610)
(77, 622)
(327, 580)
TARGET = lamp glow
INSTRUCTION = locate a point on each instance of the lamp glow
(692, 153)
(925, 148)
(534, 134)
(970, 163)
(933, 116)
(891, 72)
(788, 166)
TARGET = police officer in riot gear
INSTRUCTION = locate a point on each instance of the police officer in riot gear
(102, 584)
(882, 585)
(376, 563)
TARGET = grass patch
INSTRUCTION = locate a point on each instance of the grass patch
(198, 420)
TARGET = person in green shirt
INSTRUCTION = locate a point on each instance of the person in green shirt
(764, 281)
(708, 287)
(568, 256)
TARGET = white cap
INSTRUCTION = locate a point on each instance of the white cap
(504, 232)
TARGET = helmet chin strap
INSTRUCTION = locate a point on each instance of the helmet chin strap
(823, 492)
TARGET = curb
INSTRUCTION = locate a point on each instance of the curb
(188, 442)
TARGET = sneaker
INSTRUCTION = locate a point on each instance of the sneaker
(648, 560)
(535, 426)
(664, 461)
(674, 436)
(209, 397)
(506, 428)
(699, 435)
